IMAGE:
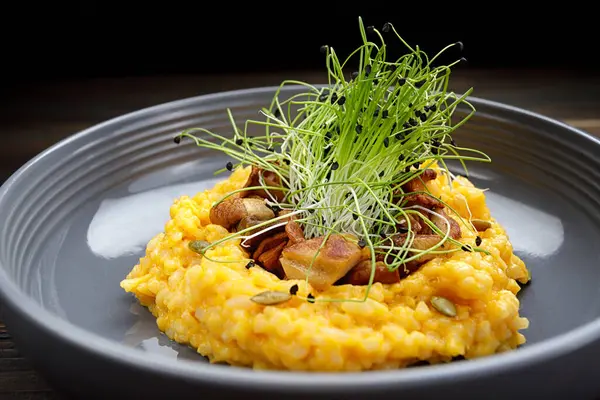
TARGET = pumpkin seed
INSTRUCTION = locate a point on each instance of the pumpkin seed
(271, 297)
(481, 225)
(198, 246)
(444, 306)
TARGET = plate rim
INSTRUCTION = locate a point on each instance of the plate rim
(87, 341)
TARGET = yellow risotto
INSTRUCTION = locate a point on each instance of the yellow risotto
(206, 304)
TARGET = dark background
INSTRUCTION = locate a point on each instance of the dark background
(69, 40)
(68, 65)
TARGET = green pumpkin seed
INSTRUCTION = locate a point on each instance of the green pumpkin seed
(444, 306)
(271, 297)
(481, 225)
(198, 246)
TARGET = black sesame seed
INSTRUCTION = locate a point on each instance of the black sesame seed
(426, 108)
(410, 105)
(362, 242)
(335, 166)
(310, 298)
(412, 122)
(277, 113)
(416, 165)
(384, 114)
(433, 107)
(375, 81)
(418, 113)
(250, 264)
(452, 142)
(323, 49)
(376, 112)
(400, 157)
(354, 75)
(334, 98)
(368, 70)
(239, 142)
(285, 160)
(355, 216)
(466, 247)
(401, 81)
(177, 139)
(406, 125)
(386, 27)
(294, 289)
(386, 142)
(478, 241)
(358, 128)
(270, 150)
(341, 101)
(229, 166)
(394, 127)
(423, 117)
(381, 173)
(273, 207)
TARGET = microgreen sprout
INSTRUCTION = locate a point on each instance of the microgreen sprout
(343, 151)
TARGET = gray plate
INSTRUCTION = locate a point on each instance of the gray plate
(76, 219)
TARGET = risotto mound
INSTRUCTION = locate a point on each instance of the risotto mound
(205, 303)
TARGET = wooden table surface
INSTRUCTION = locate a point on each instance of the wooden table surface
(36, 117)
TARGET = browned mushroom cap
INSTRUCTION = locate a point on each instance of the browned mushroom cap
(294, 232)
(416, 191)
(270, 178)
(269, 243)
(417, 184)
(360, 274)
(248, 211)
(270, 260)
(441, 220)
(416, 225)
(322, 264)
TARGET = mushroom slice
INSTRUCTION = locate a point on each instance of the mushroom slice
(269, 178)
(269, 243)
(416, 192)
(322, 264)
(441, 220)
(294, 232)
(270, 261)
(360, 274)
(249, 210)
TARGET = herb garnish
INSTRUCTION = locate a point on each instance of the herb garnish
(343, 152)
